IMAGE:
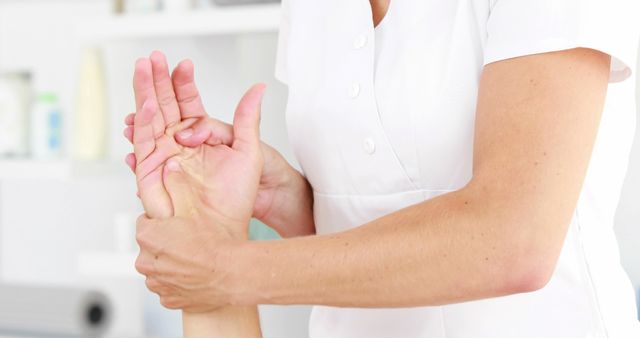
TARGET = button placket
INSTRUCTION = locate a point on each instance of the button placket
(355, 90)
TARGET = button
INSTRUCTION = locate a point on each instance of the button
(369, 146)
(354, 90)
(360, 42)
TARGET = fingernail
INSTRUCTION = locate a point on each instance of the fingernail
(173, 165)
(185, 133)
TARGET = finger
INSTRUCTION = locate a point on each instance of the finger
(145, 263)
(143, 82)
(154, 197)
(149, 235)
(206, 130)
(246, 120)
(154, 285)
(144, 91)
(144, 224)
(177, 184)
(164, 150)
(130, 160)
(144, 140)
(164, 88)
(128, 120)
(184, 85)
(128, 133)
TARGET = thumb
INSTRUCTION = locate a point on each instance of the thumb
(246, 121)
(177, 184)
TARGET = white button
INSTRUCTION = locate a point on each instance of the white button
(354, 90)
(369, 146)
(360, 42)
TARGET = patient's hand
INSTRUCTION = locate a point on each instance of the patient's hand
(283, 201)
(212, 188)
(216, 182)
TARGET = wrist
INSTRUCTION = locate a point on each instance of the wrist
(236, 269)
(226, 227)
(281, 174)
(285, 198)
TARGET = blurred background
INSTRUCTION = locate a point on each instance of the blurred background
(67, 201)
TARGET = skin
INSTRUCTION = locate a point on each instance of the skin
(536, 122)
(379, 9)
(183, 182)
(278, 203)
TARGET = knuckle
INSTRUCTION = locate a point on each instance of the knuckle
(142, 266)
(169, 303)
(141, 223)
(142, 239)
(187, 99)
(166, 99)
(149, 283)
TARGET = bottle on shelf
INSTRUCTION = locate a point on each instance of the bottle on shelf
(46, 127)
(118, 6)
(90, 121)
(15, 100)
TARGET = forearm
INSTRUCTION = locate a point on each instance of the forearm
(240, 322)
(453, 248)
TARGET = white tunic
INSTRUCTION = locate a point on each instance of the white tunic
(380, 121)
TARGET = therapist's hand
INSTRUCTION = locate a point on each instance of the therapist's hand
(284, 196)
(181, 261)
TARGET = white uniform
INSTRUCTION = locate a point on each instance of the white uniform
(383, 118)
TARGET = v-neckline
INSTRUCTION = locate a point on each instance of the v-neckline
(384, 18)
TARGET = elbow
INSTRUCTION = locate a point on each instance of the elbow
(527, 273)
(529, 280)
(526, 236)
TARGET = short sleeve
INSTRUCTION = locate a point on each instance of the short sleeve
(283, 37)
(524, 27)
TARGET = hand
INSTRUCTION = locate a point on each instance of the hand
(216, 182)
(180, 257)
(278, 180)
(212, 186)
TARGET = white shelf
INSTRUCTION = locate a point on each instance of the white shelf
(30, 169)
(215, 21)
(107, 264)
(58, 169)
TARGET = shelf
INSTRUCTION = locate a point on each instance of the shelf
(58, 169)
(215, 21)
(108, 264)
(31, 169)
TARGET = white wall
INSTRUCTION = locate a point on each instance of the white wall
(628, 215)
(44, 225)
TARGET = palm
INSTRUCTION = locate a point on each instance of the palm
(148, 85)
(223, 180)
